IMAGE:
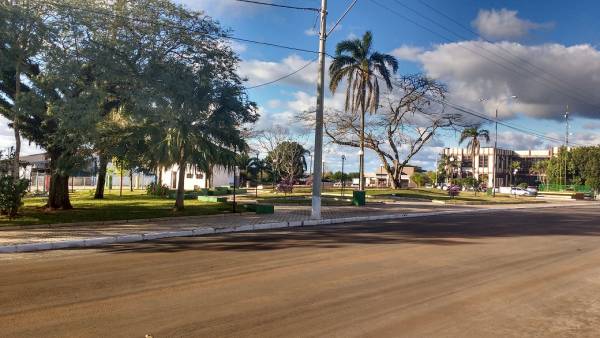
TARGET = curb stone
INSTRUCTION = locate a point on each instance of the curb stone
(100, 241)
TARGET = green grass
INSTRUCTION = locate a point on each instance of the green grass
(132, 205)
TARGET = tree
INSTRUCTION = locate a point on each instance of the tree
(474, 135)
(586, 164)
(539, 169)
(515, 166)
(360, 66)
(420, 179)
(22, 32)
(289, 160)
(412, 118)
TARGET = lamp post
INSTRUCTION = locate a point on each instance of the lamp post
(235, 174)
(274, 173)
(515, 171)
(343, 179)
(258, 167)
(322, 180)
(494, 169)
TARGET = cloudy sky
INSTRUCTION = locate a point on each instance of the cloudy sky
(545, 52)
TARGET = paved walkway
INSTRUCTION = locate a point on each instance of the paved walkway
(69, 232)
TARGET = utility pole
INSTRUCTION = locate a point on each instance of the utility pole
(495, 156)
(566, 142)
(318, 151)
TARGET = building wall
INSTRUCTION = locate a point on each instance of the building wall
(195, 179)
(504, 159)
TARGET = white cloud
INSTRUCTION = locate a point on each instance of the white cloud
(223, 7)
(408, 53)
(562, 75)
(258, 71)
(504, 24)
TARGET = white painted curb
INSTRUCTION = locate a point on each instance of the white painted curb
(101, 241)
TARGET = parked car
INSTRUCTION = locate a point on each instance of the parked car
(532, 189)
(518, 191)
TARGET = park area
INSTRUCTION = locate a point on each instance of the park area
(139, 205)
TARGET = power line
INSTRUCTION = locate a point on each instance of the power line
(507, 51)
(227, 37)
(343, 16)
(279, 5)
(535, 75)
(283, 77)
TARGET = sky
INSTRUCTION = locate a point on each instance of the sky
(545, 52)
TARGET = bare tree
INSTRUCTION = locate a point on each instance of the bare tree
(413, 114)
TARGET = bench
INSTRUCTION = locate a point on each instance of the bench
(212, 199)
(260, 208)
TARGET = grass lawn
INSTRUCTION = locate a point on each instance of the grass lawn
(428, 194)
(132, 205)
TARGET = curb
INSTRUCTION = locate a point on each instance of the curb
(202, 231)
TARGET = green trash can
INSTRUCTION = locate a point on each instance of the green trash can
(358, 197)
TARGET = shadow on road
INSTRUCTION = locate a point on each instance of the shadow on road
(438, 230)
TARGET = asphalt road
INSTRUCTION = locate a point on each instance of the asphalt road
(504, 274)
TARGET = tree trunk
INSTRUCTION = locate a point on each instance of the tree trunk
(121, 182)
(180, 183)
(15, 164)
(160, 173)
(99, 194)
(130, 180)
(58, 194)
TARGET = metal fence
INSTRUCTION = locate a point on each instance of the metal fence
(565, 188)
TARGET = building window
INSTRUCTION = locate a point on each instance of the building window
(199, 176)
(189, 176)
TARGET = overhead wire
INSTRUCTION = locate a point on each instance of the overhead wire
(217, 36)
(506, 50)
(342, 17)
(279, 5)
(491, 59)
(284, 76)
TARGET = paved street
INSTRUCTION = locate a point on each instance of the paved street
(512, 273)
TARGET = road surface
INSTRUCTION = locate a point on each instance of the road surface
(503, 274)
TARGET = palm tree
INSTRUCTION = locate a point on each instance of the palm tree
(450, 164)
(514, 166)
(540, 168)
(474, 135)
(361, 67)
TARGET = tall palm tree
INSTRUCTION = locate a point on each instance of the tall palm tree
(474, 135)
(360, 66)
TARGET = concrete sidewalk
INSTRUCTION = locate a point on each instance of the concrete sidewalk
(35, 238)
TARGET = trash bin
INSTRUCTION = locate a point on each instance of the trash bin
(489, 192)
(358, 197)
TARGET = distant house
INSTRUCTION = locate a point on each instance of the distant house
(196, 179)
(381, 179)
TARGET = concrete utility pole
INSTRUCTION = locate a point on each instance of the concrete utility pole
(495, 156)
(566, 142)
(318, 151)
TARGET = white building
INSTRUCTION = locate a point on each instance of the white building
(482, 168)
(195, 179)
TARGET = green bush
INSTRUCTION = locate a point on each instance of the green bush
(157, 190)
(11, 195)
(523, 185)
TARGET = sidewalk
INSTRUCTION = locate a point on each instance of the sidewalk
(36, 238)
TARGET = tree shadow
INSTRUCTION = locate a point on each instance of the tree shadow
(435, 230)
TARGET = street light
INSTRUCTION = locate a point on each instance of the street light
(235, 174)
(258, 168)
(343, 180)
(496, 141)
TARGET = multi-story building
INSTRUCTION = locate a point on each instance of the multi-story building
(485, 160)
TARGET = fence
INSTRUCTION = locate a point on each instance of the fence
(566, 188)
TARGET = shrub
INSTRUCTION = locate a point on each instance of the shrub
(285, 186)
(11, 195)
(157, 190)
(523, 185)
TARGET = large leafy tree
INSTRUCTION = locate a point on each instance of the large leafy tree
(356, 62)
(473, 136)
(22, 30)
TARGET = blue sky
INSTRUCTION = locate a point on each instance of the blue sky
(552, 49)
(554, 60)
